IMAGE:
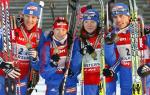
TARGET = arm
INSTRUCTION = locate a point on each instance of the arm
(46, 70)
(35, 63)
(112, 60)
(148, 40)
(76, 57)
(112, 56)
(7, 67)
(1, 40)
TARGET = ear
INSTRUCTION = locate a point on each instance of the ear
(129, 17)
(37, 20)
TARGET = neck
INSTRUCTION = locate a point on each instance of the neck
(60, 40)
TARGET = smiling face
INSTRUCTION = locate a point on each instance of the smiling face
(60, 31)
(90, 26)
(121, 21)
(30, 21)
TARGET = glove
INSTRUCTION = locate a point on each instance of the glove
(8, 68)
(33, 53)
(83, 51)
(90, 49)
(107, 72)
(55, 57)
(5, 65)
(53, 64)
(143, 70)
(87, 49)
(13, 73)
(146, 30)
(54, 60)
(111, 38)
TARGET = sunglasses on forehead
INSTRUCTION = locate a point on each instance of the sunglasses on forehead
(89, 15)
(119, 10)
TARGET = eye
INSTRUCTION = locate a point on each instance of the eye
(34, 17)
(121, 16)
(92, 21)
(86, 22)
(27, 16)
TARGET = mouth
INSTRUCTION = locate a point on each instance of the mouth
(90, 28)
(29, 24)
(119, 24)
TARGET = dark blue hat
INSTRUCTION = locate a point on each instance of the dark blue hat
(31, 8)
(120, 8)
(91, 14)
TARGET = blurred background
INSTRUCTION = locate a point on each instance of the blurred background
(55, 8)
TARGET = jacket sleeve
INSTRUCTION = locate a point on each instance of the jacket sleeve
(112, 56)
(76, 57)
(43, 39)
(46, 70)
(1, 39)
(36, 64)
(148, 40)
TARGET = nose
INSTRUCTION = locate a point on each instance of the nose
(60, 31)
(118, 19)
(89, 23)
(29, 18)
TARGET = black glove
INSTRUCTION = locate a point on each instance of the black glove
(146, 30)
(87, 49)
(90, 49)
(54, 59)
(33, 54)
(107, 72)
(83, 51)
(110, 38)
(5, 65)
(53, 64)
(143, 70)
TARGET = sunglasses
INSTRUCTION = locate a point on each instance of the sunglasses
(119, 10)
(90, 15)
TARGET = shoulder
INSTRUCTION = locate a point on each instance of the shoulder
(47, 43)
(39, 30)
(77, 40)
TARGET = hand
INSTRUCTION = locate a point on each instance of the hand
(53, 64)
(107, 72)
(111, 38)
(83, 51)
(54, 60)
(55, 57)
(90, 49)
(13, 73)
(143, 70)
(33, 53)
(87, 49)
(147, 30)
(10, 70)
(5, 65)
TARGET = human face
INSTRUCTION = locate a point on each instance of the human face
(30, 21)
(90, 26)
(60, 33)
(121, 21)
